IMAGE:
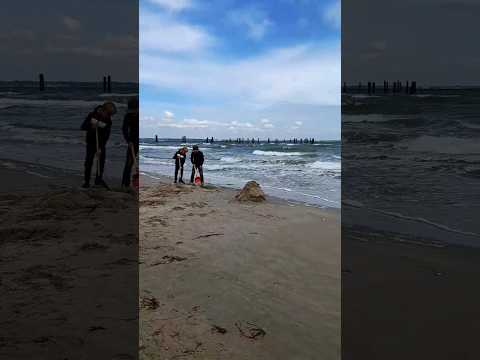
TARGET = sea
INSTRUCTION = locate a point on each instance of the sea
(306, 173)
(411, 164)
(42, 128)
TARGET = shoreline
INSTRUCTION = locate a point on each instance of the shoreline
(169, 180)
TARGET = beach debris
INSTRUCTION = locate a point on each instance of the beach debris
(198, 344)
(251, 192)
(218, 329)
(92, 246)
(168, 259)
(149, 303)
(96, 328)
(41, 339)
(250, 330)
(208, 235)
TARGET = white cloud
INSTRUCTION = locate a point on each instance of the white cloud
(299, 123)
(268, 126)
(332, 14)
(173, 5)
(159, 33)
(303, 74)
(265, 121)
(253, 19)
(71, 23)
(168, 115)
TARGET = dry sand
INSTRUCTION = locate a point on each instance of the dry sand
(68, 268)
(221, 279)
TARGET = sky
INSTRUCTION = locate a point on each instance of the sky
(232, 68)
(78, 40)
(429, 41)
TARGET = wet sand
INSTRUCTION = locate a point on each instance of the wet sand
(408, 301)
(68, 267)
(226, 280)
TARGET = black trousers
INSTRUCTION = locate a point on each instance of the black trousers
(178, 167)
(200, 170)
(89, 159)
(127, 170)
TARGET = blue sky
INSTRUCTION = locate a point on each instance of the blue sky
(228, 68)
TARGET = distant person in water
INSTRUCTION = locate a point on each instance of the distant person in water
(130, 134)
(98, 125)
(180, 157)
(197, 163)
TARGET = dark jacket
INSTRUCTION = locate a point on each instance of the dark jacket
(197, 158)
(130, 127)
(103, 133)
(182, 159)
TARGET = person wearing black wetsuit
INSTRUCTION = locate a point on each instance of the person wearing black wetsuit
(98, 125)
(130, 134)
(180, 157)
(197, 159)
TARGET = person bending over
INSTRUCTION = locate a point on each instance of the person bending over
(180, 157)
(197, 159)
(98, 125)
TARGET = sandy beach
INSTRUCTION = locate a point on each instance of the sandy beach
(402, 300)
(68, 267)
(221, 279)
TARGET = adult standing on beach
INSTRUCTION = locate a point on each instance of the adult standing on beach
(130, 134)
(197, 159)
(98, 125)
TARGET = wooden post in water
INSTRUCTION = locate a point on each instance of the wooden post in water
(156, 138)
(104, 84)
(109, 84)
(369, 88)
(41, 84)
(373, 87)
(413, 89)
(407, 89)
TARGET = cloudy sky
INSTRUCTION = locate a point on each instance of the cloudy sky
(430, 41)
(234, 68)
(78, 40)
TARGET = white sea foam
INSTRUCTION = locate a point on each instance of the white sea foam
(442, 145)
(230, 159)
(277, 153)
(326, 165)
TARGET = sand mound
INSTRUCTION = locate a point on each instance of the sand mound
(251, 192)
(66, 200)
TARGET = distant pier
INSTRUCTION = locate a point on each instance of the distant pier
(397, 87)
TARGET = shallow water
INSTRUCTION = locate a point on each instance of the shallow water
(44, 127)
(413, 163)
(308, 173)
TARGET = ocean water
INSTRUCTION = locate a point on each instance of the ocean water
(411, 164)
(44, 127)
(308, 173)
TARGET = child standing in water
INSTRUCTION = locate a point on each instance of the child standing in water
(180, 157)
